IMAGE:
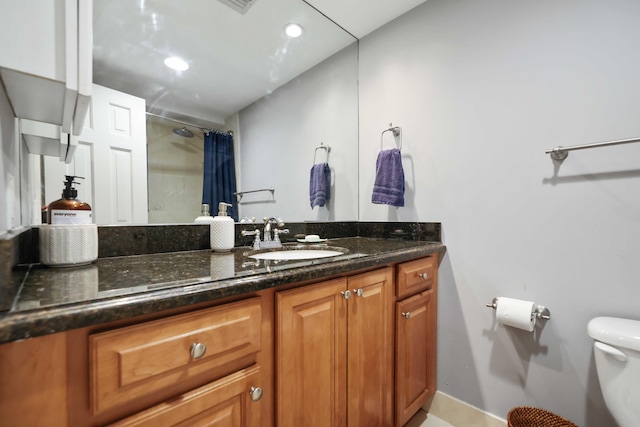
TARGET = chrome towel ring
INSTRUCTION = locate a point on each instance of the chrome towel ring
(396, 131)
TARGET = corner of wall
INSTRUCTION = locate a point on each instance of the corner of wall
(9, 167)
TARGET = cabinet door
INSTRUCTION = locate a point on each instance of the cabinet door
(224, 403)
(370, 350)
(415, 354)
(311, 356)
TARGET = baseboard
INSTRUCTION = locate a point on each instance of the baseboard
(461, 414)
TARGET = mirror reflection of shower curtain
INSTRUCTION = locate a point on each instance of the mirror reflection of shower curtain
(219, 173)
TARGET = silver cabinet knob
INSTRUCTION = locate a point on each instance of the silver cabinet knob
(346, 294)
(255, 393)
(424, 276)
(406, 315)
(358, 292)
(198, 350)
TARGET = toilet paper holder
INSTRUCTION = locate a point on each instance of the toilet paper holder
(541, 312)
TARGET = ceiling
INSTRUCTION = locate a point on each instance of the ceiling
(360, 17)
(235, 59)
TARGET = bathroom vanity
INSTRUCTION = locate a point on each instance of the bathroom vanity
(197, 337)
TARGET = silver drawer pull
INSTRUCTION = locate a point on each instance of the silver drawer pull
(198, 350)
(346, 294)
(406, 315)
(424, 276)
(255, 393)
(358, 292)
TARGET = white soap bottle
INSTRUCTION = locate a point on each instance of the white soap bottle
(222, 230)
(205, 217)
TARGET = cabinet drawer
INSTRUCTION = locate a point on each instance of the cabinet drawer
(225, 403)
(416, 276)
(138, 360)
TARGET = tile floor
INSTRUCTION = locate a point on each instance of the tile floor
(422, 419)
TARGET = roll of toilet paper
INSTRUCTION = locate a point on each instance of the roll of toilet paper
(68, 245)
(516, 313)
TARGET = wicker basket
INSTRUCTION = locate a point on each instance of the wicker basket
(526, 416)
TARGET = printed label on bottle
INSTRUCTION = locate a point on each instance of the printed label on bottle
(60, 216)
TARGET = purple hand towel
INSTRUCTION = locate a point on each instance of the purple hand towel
(388, 188)
(320, 184)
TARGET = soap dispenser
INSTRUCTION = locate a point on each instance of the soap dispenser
(70, 238)
(68, 210)
(222, 230)
(205, 217)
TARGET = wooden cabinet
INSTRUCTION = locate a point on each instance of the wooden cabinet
(334, 352)
(351, 351)
(212, 366)
(416, 336)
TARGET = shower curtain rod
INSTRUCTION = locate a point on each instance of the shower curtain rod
(190, 124)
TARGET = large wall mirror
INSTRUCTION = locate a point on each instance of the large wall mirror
(281, 97)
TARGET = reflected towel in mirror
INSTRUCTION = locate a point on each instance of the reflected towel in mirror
(388, 188)
(320, 184)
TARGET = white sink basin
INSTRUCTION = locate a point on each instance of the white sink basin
(288, 254)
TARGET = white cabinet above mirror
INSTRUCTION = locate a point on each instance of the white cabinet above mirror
(46, 67)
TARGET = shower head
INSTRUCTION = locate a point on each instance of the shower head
(183, 132)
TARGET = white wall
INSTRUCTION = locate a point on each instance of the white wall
(320, 106)
(481, 89)
(9, 167)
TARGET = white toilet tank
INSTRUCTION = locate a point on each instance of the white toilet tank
(617, 355)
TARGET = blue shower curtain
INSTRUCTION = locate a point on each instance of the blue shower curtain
(219, 173)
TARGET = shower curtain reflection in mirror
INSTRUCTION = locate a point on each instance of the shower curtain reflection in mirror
(219, 183)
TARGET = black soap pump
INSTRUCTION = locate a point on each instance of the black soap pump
(68, 210)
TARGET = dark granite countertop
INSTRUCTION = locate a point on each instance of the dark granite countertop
(54, 300)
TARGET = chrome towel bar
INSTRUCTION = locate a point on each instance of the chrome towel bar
(561, 153)
(239, 194)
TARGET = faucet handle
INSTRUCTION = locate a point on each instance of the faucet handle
(256, 240)
(277, 232)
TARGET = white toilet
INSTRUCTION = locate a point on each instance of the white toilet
(617, 354)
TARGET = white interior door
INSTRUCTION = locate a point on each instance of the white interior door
(112, 156)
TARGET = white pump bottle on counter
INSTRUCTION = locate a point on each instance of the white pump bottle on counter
(222, 230)
(205, 217)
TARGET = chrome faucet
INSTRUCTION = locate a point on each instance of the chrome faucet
(267, 227)
(267, 241)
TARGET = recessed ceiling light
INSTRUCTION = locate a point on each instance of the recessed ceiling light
(293, 30)
(176, 63)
